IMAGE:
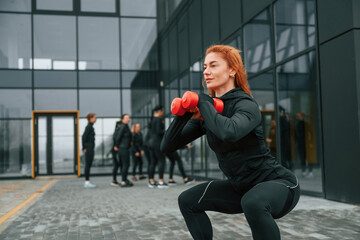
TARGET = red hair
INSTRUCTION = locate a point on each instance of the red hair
(232, 56)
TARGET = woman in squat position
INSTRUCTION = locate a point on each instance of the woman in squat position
(256, 184)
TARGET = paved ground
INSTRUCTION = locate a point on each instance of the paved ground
(68, 211)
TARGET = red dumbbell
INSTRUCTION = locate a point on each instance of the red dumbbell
(189, 101)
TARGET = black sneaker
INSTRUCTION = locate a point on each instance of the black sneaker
(114, 183)
(189, 180)
(152, 184)
(172, 183)
(126, 184)
(162, 185)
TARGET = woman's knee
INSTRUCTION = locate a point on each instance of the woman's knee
(185, 200)
(253, 205)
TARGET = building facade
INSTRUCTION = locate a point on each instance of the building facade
(113, 57)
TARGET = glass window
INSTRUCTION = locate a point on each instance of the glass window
(126, 101)
(55, 42)
(127, 78)
(196, 76)
(15, 41)
(98, 6)
(257, 44)
(144, 8)
(98, 45)
(15, 6)
(105, 103)
(55, 99)
(15, 148)
(55, 79)
(262, 89)
(298, 120)
(18, 79)
(137, 39)
(184, 84)
(103, 79)
(15, 103)
(295, 27)
(63, 5)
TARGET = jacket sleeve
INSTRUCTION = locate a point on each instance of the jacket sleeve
(246, 116)
(119, 135)
(181, 131)
(85, 136)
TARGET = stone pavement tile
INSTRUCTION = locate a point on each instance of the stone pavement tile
(68, 211)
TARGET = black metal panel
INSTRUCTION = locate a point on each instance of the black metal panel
(210, 20)
(336, 17)
(195, 30)
(230, 17)
(339, 68)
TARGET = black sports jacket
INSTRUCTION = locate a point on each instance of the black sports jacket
(88, 137)
(235, 135)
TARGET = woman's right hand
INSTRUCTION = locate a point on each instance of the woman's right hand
(116, 148)
(196, 112)
(84, 150)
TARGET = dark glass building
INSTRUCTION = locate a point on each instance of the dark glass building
(61, 59)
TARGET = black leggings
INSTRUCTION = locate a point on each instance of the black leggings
(124, 158)
(157, 158)
(116, 163)
(89, 157)
(261, 205)
(137, 161)
(174, 156)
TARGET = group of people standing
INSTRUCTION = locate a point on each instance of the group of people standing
(128, 143)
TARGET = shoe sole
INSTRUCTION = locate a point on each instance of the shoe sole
(114, 185)
(151, 186)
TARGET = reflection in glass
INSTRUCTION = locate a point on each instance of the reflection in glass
(55, 79)
(262, 89)
(63, 143)
(98, 45)
(15, 6)
(105, 103)
(102, 79)
(15, 78)
(55, 42)
(295, 27)
(98, 6)
(297, 116)
(257, 45)
(184, 84)
(127, 78)
(144, 8)
(55, 99)
(42, 145)
(15, 41)
(15, 103)
(137, 39)
(126, 101)
(63, 5)
(15, 148)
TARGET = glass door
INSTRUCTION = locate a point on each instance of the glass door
(56, 148)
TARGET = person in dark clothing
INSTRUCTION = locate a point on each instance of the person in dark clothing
(122, 145)
(137, 151)
(88, 145)
(146, 149)
(174, 157)
(285, 138)
(157, 128)
(116, 160)
(256, 184)
(300, 137)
